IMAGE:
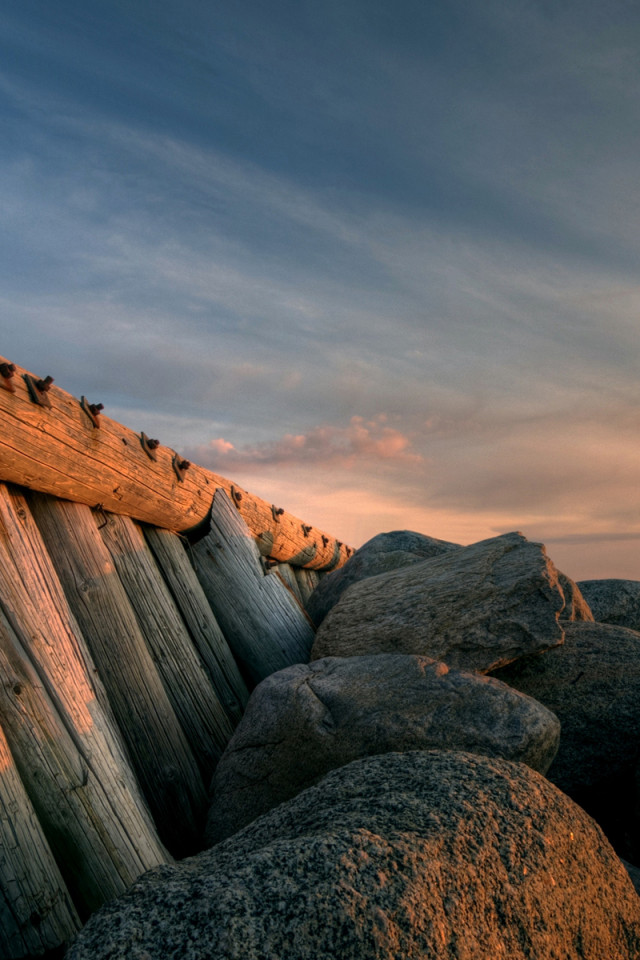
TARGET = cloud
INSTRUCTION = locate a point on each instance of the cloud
(345, 446)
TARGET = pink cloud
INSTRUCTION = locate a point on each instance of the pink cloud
(345, 446)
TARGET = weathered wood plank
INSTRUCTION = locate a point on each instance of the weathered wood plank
(264, 625)
(307, 581)
(183, 673)
(34, 603)
(286, 573)
(208, 638)
(159, 751)
(50, 712)
(58, 450)
(36, 910)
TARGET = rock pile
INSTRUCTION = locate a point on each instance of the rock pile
(389, 799)
(406, 855)
(309, 719)
(476, 608)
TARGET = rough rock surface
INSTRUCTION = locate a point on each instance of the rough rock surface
(613, 601)
(477, 607)
(592, 684)
(309, 719)
(634, 873)
(384, 552)
(401, 856)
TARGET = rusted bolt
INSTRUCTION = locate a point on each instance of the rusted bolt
(96, 408)
(306, 530)
(7, 370)
(348, 551)
(237, 495)
(183, 464)
(276, 512)
(153, 444)
(325, 540)
(338, 544)
(44, 385)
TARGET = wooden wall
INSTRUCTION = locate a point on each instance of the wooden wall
(126, 659)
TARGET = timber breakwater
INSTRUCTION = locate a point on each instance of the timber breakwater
(224, 734)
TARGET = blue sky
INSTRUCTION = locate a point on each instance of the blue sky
(378, 262)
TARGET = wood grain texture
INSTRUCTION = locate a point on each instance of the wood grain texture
(264, 624)
(181, 670)
(307, 581)
(64, 742)
(36, 910)
(160, 753)
(59, 451)
(174, 561)
(287, 574)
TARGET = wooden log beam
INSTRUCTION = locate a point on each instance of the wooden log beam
(160, 753)
(184, 676)
(57, 448)
(196, 612)
(263, 623)
(63, 740)
(36, 911)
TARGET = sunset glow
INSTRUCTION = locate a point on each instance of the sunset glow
(375, 262)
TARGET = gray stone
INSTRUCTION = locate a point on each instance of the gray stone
(477, 607)
(384, 552)
(309, 719)
(592, 684)
(613, 601)
(396, 857)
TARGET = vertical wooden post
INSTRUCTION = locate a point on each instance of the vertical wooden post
(159, 751)
(208, 638)
(36, 911)
(183, 674)
(265, 626)
(307, 581)
(286, 573)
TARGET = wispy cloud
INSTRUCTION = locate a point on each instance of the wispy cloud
(359, 442)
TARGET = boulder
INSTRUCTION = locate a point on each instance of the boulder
(309, 719)
(477, 607)
(613, 601)
(400, 856)
(592, 684)
(384, 552)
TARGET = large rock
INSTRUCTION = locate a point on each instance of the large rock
(306, 720)
(592, 684)
(477, 607)
(384, 552)
(613, 601)
(401, 856)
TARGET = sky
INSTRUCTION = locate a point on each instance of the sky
(377, 262)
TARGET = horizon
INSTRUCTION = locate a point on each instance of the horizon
(376, 264)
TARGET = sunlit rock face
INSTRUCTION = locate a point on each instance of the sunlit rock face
(613, 601)
(384, 552)
(415, 855)
(302, 722)
(477, 607)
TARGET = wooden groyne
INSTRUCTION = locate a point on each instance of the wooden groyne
(127, 649)
(53, 442)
